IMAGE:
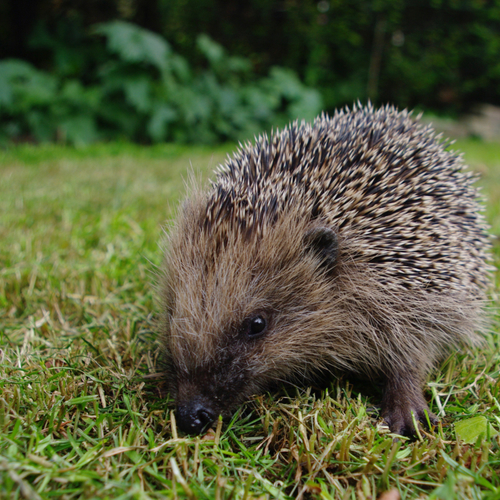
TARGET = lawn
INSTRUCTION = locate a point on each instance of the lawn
(82, 414)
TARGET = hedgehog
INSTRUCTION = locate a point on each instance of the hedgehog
(355, 243)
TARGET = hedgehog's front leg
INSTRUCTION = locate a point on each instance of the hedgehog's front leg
(402, 397)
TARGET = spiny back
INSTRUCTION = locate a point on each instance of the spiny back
(400, 201)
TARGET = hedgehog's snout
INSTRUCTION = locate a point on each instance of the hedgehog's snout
(195, 416)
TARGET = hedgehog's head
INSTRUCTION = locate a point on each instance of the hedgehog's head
(243, 306)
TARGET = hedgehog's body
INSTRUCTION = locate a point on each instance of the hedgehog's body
(354, 243)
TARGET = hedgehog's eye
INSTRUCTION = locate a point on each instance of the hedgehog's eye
(255, 326)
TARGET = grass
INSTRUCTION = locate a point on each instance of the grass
(80, 414)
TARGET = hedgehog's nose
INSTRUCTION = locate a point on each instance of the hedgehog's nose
(194, 417)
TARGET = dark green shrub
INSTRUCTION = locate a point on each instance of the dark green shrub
(142, 90)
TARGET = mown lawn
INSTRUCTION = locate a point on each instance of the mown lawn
(82, 417)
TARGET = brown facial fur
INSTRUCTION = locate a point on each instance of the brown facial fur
(405, 279)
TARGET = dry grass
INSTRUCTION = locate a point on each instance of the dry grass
(80, 415)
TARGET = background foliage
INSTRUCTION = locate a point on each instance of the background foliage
(135, 86)
(75, 71)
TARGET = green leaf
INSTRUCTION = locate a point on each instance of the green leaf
(135, 44)
(137, 92)
(210, 49)
(469, 430)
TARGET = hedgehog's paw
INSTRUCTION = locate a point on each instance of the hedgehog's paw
(403, 405)
(401, 420)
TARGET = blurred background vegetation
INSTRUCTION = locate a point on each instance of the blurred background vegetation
(77, 71)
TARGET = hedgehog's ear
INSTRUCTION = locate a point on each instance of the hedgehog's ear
(323, 241)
